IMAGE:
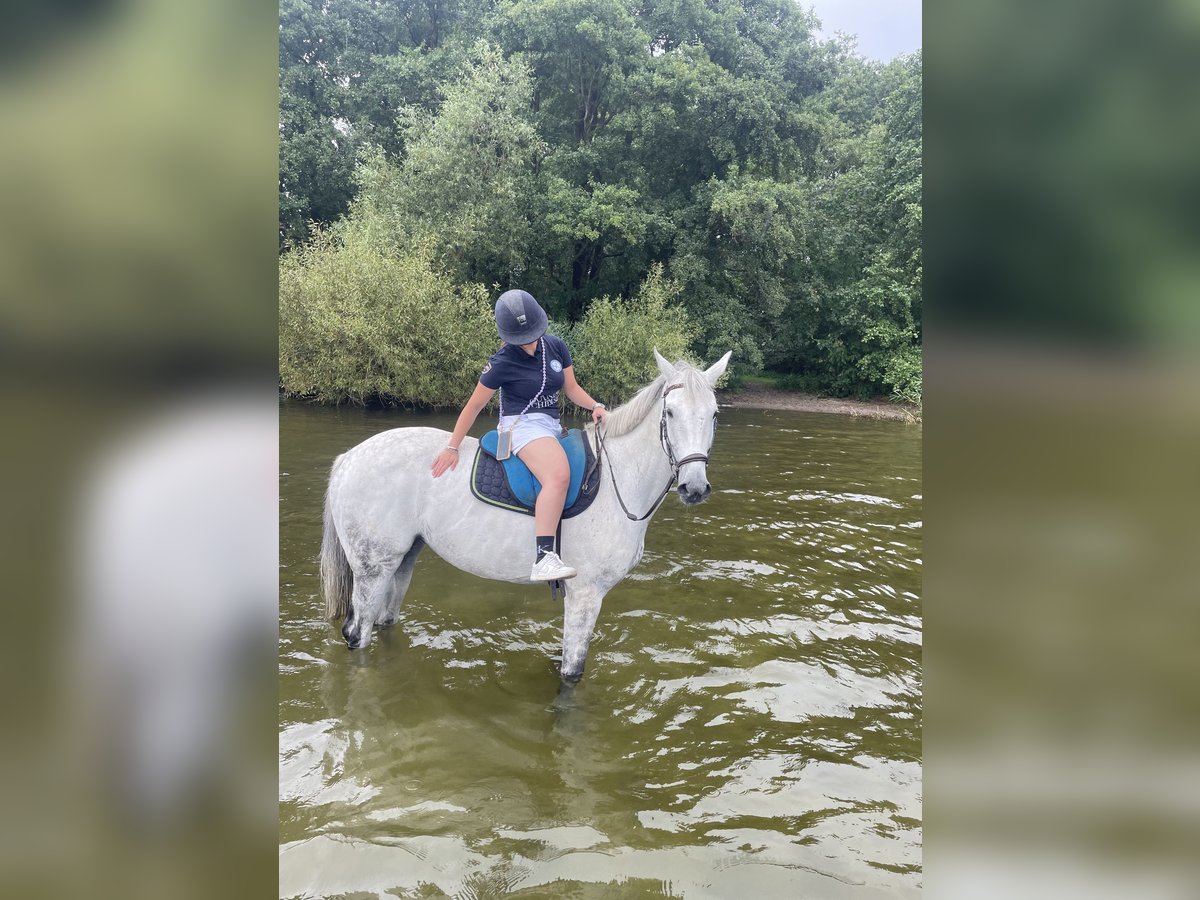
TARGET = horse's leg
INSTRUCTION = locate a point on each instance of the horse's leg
(400, 582)
(580, 611)
(367, 601)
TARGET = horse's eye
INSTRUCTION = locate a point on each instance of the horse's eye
(670, 415)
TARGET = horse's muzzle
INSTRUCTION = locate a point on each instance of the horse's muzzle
(356, 636)
(691, 495)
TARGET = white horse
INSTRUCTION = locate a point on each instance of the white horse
(383, 506)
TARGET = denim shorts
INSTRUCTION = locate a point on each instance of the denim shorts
(531, 427)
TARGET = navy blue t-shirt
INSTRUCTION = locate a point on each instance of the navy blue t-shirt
(520, 376)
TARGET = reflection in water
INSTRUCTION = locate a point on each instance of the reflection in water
(749, 724)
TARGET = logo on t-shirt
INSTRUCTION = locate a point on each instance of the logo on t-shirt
(556, 365)
(486, 369)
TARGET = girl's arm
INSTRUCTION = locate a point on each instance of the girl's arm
(448, 457)
(579, 396)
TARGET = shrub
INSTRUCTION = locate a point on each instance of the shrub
(360, 324)
(613, 345)
(903, 374)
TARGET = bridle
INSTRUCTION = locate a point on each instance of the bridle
(665, 440)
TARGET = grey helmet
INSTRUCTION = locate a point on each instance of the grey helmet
(519, 319)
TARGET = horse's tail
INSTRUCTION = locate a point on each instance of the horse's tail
(337, 581)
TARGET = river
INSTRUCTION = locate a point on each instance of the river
(749, 724)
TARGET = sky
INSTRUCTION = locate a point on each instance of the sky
(885, 28)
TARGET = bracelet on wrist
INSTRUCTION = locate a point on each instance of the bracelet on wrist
(597, 406)
(448, 447)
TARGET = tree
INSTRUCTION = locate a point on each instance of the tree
(346, 68)
(465, 173)
(856, 332)
(574, 147)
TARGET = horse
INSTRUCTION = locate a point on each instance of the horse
(383, 506)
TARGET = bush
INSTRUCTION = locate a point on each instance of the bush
(805, 382)
(903, 374)
(360, 324)
(613, 345)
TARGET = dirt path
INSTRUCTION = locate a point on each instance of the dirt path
(754, 396)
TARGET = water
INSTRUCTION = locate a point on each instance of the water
(749, 724)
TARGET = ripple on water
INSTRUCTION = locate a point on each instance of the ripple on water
(749, 725)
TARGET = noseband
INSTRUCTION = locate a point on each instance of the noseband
(665, 440)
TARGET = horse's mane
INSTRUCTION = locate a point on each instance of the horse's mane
(630, 414)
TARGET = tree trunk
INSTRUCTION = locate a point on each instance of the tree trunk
(577, 269)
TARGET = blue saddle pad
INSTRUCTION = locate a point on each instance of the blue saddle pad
(521, 481)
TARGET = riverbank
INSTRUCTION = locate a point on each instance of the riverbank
(749, 396)
(760, 396)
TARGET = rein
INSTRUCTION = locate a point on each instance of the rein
(665, 440)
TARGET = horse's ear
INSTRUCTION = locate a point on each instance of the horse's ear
(668, 370)
(717, 369)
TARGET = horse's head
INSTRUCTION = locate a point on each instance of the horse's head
(689, 422)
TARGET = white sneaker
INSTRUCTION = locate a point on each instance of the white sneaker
(551, 568)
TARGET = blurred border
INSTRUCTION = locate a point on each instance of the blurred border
(138, 254)
(1061, 434)
(138, 177)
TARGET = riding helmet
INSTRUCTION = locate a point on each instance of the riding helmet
(519, 318)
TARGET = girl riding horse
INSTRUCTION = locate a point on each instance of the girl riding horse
(529, 371)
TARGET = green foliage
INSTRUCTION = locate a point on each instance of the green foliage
(613, 346)
(460, 185)
(593, 150)
(346, 67)
(741, 269)
(902, 372)
(793, 381)
(360, 325)
(861, 307)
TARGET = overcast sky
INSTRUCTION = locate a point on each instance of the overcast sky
(884, 28)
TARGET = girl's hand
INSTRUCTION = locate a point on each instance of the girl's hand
(447, 459)
(599, 414)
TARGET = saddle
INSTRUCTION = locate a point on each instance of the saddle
(510, 484)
